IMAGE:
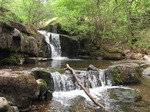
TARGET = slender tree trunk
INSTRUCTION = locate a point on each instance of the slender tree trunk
(85, 90)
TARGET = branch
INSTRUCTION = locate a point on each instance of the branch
(85, 90)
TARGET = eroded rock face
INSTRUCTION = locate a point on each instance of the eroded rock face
(17, 37)
(18, 88)
(128, 73)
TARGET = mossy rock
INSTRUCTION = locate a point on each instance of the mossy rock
(123, 95)
(124, 74)
(13, 59)
(42, 86)
(42, 74)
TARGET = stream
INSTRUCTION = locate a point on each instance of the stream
(76, 100)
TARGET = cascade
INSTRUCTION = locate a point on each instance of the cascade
(53, 42)
(90, 79)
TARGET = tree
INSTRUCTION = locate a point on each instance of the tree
(98, 19)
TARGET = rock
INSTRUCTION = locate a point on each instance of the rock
(147, 57)
(128, 73)
(18, 88)
(35, 59)
(121, 99)
(112, 53)
(5, 107)
(14, 38)
(46, 76)
(92, 67)
(13, 59)
(123, 95)
(42, 87)
(48, 95)
(146, 72)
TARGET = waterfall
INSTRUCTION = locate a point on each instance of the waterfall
(66, 82)
(53, 42)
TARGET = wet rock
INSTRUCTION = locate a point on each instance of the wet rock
(123, 95)
(48, 95)
(5, 106)
(13, 59)
(35, 59)
(146, 72)
(92, 67)
(42, 74)
(16, 37)
(128, 73)
(42, 86)
(18, 88)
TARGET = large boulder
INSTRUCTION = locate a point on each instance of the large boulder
(18, 88)
(128, 73)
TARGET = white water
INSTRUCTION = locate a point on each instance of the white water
(99, 93)
(53, 41)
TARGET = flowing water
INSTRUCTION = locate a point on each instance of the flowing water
(53, 42)
(64, 96)
(68, 96)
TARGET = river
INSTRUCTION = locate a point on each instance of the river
(78, 64)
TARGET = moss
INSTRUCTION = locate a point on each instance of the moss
(116, 51)
(12, 59)
(43, 82)
(42, 74)
(118, 76)
(138, 71)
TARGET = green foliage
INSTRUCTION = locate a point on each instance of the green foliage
(101, 19)
(30, 11)
(118, 77)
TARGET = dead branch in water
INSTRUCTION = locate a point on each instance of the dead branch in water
(85, 90)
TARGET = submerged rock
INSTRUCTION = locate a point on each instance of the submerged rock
(129, 73)
(18, 88)
(123, 95)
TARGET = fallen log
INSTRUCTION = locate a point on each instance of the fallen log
(85, 90)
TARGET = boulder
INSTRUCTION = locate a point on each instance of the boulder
(13, 59)
(146, 72)
(6, 107)
(46, 76)
(92, 67)
(128, 73)
(20, 89)
(108, 52)
(123, 95)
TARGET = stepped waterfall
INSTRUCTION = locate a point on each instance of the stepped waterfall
(67, 93)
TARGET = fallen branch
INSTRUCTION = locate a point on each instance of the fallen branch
(85, 90)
